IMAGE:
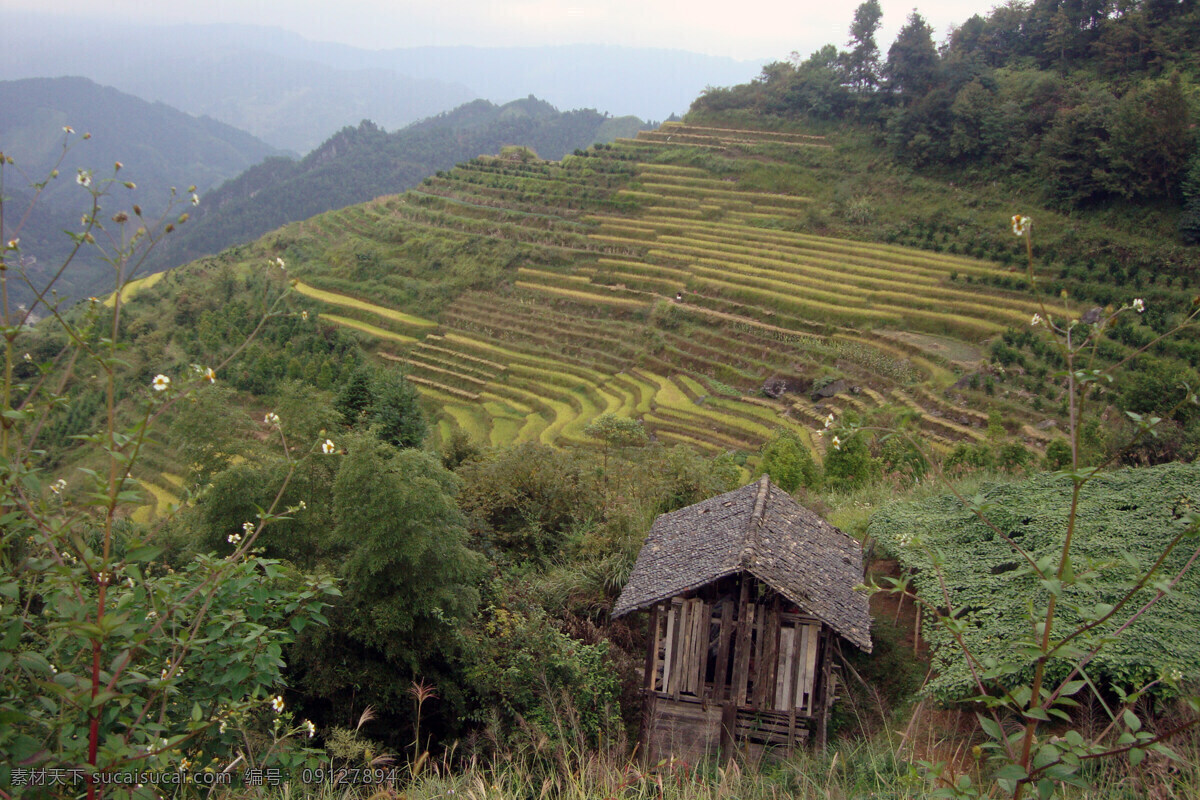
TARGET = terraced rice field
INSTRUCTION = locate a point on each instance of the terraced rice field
(133, 287)
(161, 496)
(585, 320)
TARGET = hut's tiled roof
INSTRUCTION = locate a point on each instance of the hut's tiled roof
(761, 530)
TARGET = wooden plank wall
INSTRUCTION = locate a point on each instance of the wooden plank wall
(780, 649)
(769, 693)
(684, 730)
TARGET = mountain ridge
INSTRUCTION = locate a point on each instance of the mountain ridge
(361, 162)
(159, 148)
(646, 82)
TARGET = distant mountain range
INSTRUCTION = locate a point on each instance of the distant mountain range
(360, 163)
(160, 147)
(291, 92)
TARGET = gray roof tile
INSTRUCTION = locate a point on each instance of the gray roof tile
(759, 529)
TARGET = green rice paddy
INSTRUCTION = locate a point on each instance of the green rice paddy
(583, 319)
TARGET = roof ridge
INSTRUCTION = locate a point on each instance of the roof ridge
(750, 540)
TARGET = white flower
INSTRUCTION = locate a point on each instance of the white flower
(151, 614)
(247, 528)
(280, 263)
(195, 199)
(304, 316)
(12, 243)
(328, 447)
(184, 765)
(161, 382)
(837, 443)
(234, 538)
(271, 418)
(1138, 305)
(28, 358)
(309, 728)
(58, 486)
(68, 129)
(83, 178)
(209, 375)
(829, 421)
(303, 505)
(1020, 225)
(1037, 320)
(277, 704)
(129, 582)
(221, 728)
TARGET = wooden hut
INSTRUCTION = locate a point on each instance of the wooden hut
(747, 592)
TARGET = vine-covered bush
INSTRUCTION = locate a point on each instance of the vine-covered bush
(1126, 519)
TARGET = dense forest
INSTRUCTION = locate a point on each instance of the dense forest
(1085, 103)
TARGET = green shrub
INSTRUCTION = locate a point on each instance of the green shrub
(1058, 455)
(527, 673)
(971, 456)
(848, 463)
(789, 463)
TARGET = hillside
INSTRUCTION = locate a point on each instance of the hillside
(358, 164)
(716, 285)
(159, 146)
(524, 298)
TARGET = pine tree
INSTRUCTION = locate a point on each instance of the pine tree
(912, 62)
(355, 397)
(396, 410)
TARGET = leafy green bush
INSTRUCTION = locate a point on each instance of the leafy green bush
(848, 462)
(528, 674)
(789, 463)
(1058, 455)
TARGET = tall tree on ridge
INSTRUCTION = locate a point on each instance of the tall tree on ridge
(912, 61)
(862, 62)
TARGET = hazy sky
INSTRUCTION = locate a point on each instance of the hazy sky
(746, 29)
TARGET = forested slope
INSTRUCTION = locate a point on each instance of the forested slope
(160, 147)
(358, 164)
